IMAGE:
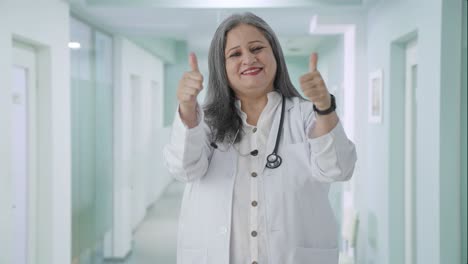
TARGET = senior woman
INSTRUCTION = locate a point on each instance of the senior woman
(258, 159)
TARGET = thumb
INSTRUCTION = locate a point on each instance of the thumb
(313, 62)
(193, 62)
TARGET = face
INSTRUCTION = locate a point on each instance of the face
(250, 62)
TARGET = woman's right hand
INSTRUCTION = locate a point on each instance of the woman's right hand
(189, 87)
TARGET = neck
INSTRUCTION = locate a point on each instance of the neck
(253, 107)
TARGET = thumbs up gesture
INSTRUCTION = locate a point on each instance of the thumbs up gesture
(189, 87)
(314, 87)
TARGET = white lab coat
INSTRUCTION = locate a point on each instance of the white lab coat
(301, 228)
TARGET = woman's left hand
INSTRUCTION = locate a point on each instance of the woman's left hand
(314, 87)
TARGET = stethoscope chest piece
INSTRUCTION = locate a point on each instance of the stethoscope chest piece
(273, 161)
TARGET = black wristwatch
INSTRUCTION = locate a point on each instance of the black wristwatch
(330, 109)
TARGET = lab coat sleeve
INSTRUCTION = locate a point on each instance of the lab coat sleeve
(333, 155)
(188, 152)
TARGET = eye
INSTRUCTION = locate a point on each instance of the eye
(257, 49)
(235, 54)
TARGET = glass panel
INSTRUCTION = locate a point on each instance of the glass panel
(92, 140)
(104, 133)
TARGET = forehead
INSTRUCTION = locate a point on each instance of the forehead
(243, 34)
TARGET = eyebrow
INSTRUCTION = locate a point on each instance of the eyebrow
(253, 41)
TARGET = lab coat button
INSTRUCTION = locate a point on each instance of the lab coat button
(254, 203)
(254, 174)
(254, 233)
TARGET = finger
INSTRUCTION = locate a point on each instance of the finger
(187, 97)
(317, 82)
(193, 84)
(188, 91)
(193, 62)
(310, 76)
(313, 62)
(196, 76)
(196, 87)
(191, 91)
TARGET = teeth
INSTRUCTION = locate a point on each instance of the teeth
(251, 71)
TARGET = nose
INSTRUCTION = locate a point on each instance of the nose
(249, 59)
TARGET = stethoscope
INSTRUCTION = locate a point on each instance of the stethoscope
(273, 160)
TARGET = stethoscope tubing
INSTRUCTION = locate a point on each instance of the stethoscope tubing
(273, 160)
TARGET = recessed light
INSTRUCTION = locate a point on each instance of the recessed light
(74, 45)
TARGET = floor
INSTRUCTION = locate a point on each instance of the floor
(155, 239)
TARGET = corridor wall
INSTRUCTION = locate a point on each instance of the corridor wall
(139, 176)
(437, 233)
(43, 26)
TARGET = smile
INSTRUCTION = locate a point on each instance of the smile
(252, 71)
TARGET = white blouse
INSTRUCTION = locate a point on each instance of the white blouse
(248, 243)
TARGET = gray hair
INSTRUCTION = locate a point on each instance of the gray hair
(221, 114)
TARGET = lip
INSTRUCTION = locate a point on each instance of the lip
(252, 71)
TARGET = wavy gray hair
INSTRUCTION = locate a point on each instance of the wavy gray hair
(221, 114)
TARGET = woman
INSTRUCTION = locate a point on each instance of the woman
(241, 204)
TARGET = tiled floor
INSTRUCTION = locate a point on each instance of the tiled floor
(156, 238)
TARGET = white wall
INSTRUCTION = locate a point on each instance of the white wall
(139, 178)
(43, 25)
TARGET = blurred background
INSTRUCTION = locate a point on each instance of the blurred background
(87, 98)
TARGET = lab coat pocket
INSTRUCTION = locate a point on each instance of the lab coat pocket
(192, 256)
(303, 255)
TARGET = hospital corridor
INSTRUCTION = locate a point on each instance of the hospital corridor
(89, 93)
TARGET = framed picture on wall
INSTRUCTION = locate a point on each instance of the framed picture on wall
(375, 100)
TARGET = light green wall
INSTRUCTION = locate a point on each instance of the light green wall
(331, 66)
(297, 66)
(450, 89)
(172, 75)
(396, 141)
(463, 136)
(165, 49)
(388, 24)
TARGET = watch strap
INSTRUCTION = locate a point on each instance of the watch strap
(330, 109)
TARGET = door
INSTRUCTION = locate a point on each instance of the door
(137, 152)
(411, 77)
(23, 152)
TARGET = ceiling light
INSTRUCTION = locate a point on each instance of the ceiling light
(313, 24)
(74, 45)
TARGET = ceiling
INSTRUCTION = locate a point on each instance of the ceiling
(194, 21)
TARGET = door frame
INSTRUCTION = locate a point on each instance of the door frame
(410, 154)
(396, 168)
(25, 56)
